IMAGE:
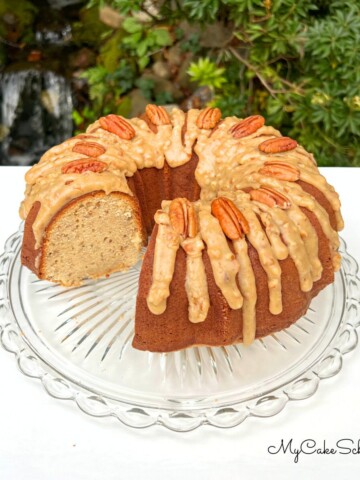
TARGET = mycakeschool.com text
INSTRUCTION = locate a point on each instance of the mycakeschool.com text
(296, 449)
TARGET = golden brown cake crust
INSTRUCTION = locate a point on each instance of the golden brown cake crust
(28, 252)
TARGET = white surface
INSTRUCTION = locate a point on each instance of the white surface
(43, 438)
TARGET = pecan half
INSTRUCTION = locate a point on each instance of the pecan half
(270, 197)
(92, 130)
(281, 170)
(84, 165)
(117, 125)
(151, 126)
(277, 145)
(157, 115)
(183, 217)
(91, 149)
(208, 118)
(247, 126)
(82, 136)
(232, 221)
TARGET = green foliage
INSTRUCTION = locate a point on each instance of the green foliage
(142, 42)
(106, 91)
(204, 11)
(146, 86)
(88, 30)
(206, 73)
(192, 43)
(24, 13)
(111, 52)
(124, 6)
(297, 63)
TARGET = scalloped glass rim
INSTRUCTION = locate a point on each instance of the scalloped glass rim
(221, 406)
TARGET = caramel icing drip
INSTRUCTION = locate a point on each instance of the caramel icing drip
(298, 197)
(166, 247)
(181, 143)
(294, 243)
(303, 199)
(223, 262)
(267, 258)
(196, 284)
(274, 236)
(247, 283)
(309, 237)
(228, 165)
(318, 181)
(167, 243)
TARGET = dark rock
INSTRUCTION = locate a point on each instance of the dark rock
(174, 55)
(216, 36)
(111, 17)
(138, 102)
(34, 56)
(9, 18)
(83, 58)
(200, 98)
(183, 79)
(162, 85)
(161, 69)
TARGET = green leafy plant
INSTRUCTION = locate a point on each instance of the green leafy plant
(142, 41)
(206, 73)
(106, 91)
(296, 63)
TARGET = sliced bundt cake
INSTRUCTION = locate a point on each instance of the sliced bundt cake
(236, 212)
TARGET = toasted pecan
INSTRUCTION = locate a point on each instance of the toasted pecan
(157, 115)
(280, 170)
(83, 165)
(232, 221)
(208, 118)
(91, 149)
(83, 136)
(247, 126)
(183, 217)
(278, 145)
(117, 125)
(270, 197)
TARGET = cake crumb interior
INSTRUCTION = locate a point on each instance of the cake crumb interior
(92, 238)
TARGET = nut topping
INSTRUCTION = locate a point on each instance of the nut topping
(183, 217)
(247, 126)
(280, 170)
(117, 125)
(84, 165)
(208, 118)
(278, 145)
(91, 149)
(232, 221)
(270, 197)
(82, 136)
(157, 115)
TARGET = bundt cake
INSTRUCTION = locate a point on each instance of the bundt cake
(243, 228)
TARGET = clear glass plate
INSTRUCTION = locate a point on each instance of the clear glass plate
(77, 341)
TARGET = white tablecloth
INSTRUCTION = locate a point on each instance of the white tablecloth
(43, 438)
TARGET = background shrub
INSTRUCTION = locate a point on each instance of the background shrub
(298, 63)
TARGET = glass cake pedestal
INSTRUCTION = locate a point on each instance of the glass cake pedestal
(77, 342)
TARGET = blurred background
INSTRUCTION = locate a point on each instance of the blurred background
(64, 63)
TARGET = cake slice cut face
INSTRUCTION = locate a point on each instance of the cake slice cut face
(92, 236)
(237, 213)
